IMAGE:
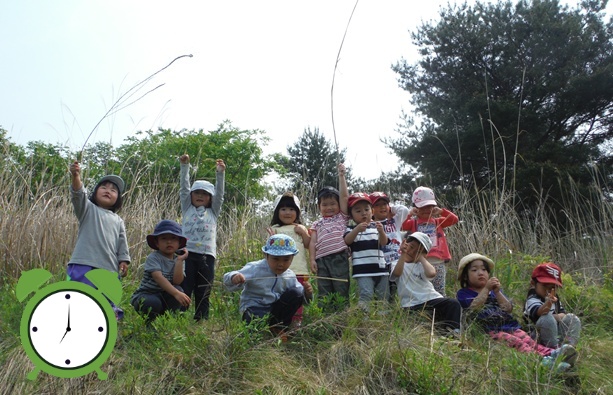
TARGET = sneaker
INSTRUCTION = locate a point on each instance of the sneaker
(280, 333)
(565, 353)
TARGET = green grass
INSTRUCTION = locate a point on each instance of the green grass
(347, 352)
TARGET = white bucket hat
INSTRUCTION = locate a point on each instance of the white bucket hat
(202, 185)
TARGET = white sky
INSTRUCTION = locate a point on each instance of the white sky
(264, 65)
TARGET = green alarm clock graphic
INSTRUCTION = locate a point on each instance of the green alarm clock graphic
(68, 328)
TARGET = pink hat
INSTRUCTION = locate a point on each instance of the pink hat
(423, 196)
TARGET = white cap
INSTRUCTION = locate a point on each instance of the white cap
(423, 196)
(423, 239)
(203, 186)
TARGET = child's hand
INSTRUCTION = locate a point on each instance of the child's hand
(379, 226)
(238, 279)
(551, 296)
(413, 212)
(270, 231)
(493, 284)
(221, 166)
(341, 169)
(436, 211)
(123, 269)
(314, 267)
(361, 227)
(183, 299)
(184, 159)
(308, 288)
(301, 230)
(183, 256)
(75, 168)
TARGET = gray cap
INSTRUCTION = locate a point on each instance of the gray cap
(115, 180)
(203, 186)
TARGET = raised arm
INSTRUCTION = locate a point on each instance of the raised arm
(342, 186)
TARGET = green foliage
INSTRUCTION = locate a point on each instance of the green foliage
(153, 159)
(514, 97)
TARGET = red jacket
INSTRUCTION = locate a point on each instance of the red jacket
(433, 227)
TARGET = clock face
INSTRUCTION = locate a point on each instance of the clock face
(68, 329)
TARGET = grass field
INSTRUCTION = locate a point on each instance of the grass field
(385, 352)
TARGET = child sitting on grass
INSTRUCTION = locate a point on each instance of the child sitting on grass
(482, 299)
(413, 274)
(159, 290)
(552, 325)
(269, 287)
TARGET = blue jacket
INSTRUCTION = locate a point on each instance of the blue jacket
(262, 287)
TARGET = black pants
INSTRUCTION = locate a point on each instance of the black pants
(153, 305)
(447, 311)
(199, 275)
(281, 312)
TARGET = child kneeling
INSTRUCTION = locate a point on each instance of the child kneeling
(159, 290)
(269, 287)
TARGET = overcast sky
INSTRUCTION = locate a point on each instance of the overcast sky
(264, 65)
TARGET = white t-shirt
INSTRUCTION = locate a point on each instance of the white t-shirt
(414, 288)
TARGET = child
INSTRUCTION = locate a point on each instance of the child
(327, 250)
(413, 274)
(286, 220)
(365, 239)
(269, 287)
(159, 290)
(481, 296)
(392, 218)
(552, 325)
(427, 218)
(200, 205)
(101, 242)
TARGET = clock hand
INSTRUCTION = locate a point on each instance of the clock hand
(68, 325)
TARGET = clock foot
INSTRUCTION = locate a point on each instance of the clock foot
(101, 374)
(33, 374)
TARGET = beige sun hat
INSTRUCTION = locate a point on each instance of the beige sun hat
(473, 257)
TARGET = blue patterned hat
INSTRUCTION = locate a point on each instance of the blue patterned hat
(280, 245)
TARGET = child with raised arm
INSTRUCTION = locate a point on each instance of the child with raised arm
(327, 251)
(269, 287)
(102, 242)
(428, 218)
(160, 290)
(200, 205)
(365, 239)
(413, 273)
(286, 220)
(551, 324)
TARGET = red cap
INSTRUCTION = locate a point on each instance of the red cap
(548, 273)
(356, 197)
(376, 196)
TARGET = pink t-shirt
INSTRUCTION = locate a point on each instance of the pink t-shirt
(330, 231)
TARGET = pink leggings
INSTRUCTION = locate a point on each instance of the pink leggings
(302, 278)
(521, 341)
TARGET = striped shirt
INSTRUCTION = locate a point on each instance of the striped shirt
(534, 302)
(367, 260)
(155, 262)
(330, 232)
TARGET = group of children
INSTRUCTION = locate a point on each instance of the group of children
(358, 236)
